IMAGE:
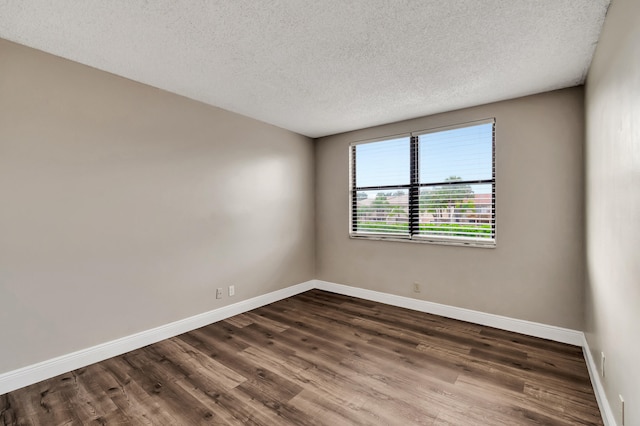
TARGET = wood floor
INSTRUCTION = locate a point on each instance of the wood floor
(323, 359)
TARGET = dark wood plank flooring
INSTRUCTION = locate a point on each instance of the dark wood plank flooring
(320, 358)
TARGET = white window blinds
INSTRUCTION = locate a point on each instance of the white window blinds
(430, 186)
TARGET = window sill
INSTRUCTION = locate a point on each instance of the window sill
(422, 240)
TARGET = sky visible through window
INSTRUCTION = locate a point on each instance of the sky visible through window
(464, 152)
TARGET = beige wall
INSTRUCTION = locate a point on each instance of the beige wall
(613, 206)
(124, 207)
(536, 271)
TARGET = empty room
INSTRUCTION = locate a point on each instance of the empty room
(293, 212)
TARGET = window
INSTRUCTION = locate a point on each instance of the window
(433, 186)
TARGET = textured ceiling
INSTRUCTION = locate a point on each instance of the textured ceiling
(320, 67)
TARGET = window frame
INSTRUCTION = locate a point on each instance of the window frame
(414, 188)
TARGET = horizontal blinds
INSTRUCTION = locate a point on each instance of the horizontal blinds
(457, 211)
(464, 154)
(456, 180)
(383, 163)
(446, 194)
(383, 211)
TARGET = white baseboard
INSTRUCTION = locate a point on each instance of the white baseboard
(598, 389)
(550, 332)
(35, 373)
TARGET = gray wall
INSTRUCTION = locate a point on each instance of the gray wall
(613, 206)
(536, 271)
(124, 206)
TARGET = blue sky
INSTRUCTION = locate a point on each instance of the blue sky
(442, 154)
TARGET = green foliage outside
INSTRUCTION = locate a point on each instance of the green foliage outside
(443, 229)
(446, 200)
(381, 207)
(393, 228)
(444, 203)
(456, 229)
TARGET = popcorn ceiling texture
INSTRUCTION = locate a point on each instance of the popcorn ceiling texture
(323, 67)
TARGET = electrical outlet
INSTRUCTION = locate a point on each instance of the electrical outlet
(621, 410)
(602, 358)
(416, 287)
(232, 290)
(218, 293)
